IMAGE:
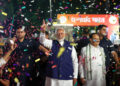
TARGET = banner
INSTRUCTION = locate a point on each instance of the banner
(111, 21)
(88, 20)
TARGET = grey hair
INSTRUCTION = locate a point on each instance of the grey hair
(59, 29)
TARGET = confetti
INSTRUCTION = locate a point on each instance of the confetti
(73, 44)
(25, 50)
(9, 70)
(23, 28)
(1, 31)
(18, 73)
(3, 13)
(113, 70)
(2, 44)
(32, 1)
(113, 82)
(37, 60)
(27, 74)
(23, 7)
(1, 27)
(54, 66)
(61, 50)
(16, 80)
(27, 65)
(26, 19)
(24, 2)
(11, 42)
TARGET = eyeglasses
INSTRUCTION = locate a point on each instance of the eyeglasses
(94, 40)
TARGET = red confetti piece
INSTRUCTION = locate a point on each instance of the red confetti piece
(54, 66)
(18, 73)
(27, 65)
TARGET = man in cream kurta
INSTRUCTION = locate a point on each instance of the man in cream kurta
(92, 63)
(50, 81)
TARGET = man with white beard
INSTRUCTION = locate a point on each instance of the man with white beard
(62, 65)
(92, 63)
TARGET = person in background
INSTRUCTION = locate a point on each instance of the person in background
(109, 51)
(84, 40)
(3, 60)
(92, 63)
(20, 69)
(41, 65)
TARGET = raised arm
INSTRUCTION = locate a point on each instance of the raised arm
(6, 57)
(5, 82)
(43, 40)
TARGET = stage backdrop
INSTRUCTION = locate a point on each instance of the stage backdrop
(112, 21)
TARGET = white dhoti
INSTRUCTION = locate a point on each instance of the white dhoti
(56, 82)
(98, 78)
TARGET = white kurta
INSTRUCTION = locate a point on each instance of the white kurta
(97, 66)
(56, 82)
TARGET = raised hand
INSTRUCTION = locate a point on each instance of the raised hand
(43, 26)
(13, 46)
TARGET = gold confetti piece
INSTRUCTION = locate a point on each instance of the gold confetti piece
(77, 8)
(37, 60)
(113, 83)
(54, 22)
(2, 44)
(73, 44)
(1, 27)
(61, 50)
(3, 13)
(16, 80)
(9, 70)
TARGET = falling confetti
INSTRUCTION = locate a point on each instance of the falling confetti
(9, 70)
(1, 27)
(27, 65)
(3, 13)
(25, 50)
(61, 50)
(73, 44)
(16, 80)
(54, 66)
(23, 7)
(37, 60)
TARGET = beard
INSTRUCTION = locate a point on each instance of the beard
(60, 40)
(20, 37)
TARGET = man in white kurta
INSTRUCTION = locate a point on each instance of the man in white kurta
(92, 63)
(48, 43)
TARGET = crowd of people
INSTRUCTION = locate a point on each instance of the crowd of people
(47, 62)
